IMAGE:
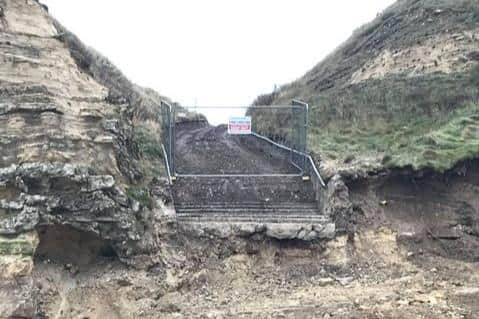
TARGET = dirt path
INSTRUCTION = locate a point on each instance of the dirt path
(204, 149)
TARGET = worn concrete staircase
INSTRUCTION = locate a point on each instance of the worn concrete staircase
(250, 213)
(282, 207)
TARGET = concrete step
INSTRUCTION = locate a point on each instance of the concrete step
(251, 221)
(254, 205)
(254, 218)
(251, 208)
(259, 214)
(288, 220)
(239, 209)
(252, 212)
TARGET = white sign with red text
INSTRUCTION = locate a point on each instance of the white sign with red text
(239, 125)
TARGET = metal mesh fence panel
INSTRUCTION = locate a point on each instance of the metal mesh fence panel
(264, 141)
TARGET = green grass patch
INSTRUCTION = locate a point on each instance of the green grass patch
(150, 152)
(424, 121)
(141, 195)
(436, 142)
(149, 145)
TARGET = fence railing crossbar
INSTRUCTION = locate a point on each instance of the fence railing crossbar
(287, 107)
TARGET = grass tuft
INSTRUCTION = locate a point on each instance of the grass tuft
(141, 195)
(149, 146)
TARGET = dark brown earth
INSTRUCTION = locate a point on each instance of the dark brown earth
(437, 212)
(243, 190)
(204, 149)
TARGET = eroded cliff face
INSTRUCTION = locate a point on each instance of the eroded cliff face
(67, 150)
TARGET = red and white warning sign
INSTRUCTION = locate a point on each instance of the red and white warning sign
(239, 125)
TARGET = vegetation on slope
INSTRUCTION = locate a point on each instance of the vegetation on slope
(422, 142)
(391, 119)
(142, 111)
(403, 91)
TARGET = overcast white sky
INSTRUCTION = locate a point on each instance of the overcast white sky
(214, 52)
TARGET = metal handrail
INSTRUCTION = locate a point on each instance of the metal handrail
(316, 171)
(289, 149)
(286, 148)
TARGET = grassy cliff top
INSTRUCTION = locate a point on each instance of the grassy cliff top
(403, 91)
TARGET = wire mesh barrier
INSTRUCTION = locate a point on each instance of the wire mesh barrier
(252, 141)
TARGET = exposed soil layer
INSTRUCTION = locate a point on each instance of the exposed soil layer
(204, 149)
(372, 276)
(438, 212)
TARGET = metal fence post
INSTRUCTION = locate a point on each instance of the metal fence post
(168, 121)
(292, 139)
(305, 133)
(172, 140)
(302, 127)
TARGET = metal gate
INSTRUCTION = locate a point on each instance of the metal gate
(282, 127)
